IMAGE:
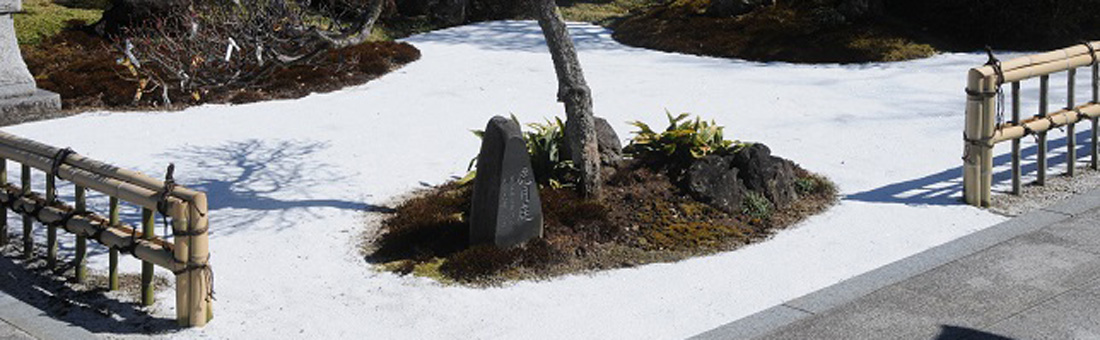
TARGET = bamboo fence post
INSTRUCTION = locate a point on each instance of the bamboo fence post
(201, 310)
(1044, 87)
(1016, 171)
(51, 230)
(81, 240)
(971, 160)
(3, 212)
(28, 226)
(1071, 130)
(180, 222)
(989, 121)
(148, 220)
(1095, 122)
(113, 267)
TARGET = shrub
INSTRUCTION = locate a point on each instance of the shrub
(682, 142)
(756, 206)
(546, 147)
(805, 185)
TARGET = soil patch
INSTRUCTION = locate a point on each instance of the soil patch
(644, 217)
(84, 69)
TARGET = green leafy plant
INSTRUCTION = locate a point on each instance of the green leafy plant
(805, 185)
(756, 206)
(682, 141)
(546, 147)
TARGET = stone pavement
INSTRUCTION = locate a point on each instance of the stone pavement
(1036, 276)
(9, 332)
(20, 321)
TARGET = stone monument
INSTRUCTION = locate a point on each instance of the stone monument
(506, 210)
(19, 96)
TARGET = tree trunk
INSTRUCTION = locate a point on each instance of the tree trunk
(580, 126)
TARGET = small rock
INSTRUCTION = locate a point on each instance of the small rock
(769, 175)
(713, 181)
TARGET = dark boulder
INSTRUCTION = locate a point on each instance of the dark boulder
(713, 181)
(611, 149)
(766, 174)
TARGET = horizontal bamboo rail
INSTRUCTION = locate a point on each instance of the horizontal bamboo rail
(983, 131)
(187, 257)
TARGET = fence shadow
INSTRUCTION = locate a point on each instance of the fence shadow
(250, 180)
(962, 333)
(941, 188)
(92, 309)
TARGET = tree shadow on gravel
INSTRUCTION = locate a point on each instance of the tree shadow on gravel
(521, 36)
(251, 180)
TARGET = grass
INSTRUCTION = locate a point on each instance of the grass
(43, 19)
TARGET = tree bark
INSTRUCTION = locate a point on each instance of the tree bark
(573, 91)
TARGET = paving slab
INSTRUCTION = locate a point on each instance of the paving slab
(1072, 315)
(1036, 276)
(35, 323)
(9, 332)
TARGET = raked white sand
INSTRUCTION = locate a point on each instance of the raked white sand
(289, 181)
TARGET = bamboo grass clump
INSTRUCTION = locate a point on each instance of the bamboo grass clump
(187, 257)
(983, 131)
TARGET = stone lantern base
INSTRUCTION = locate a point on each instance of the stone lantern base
(20, 99)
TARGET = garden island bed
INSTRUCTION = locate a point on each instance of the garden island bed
(680, 193)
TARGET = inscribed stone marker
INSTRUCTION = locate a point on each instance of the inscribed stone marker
(506, 210)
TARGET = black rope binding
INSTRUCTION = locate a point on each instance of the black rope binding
(207, 271)
(166, 192)
(58, 159)
(1092, 51)
(996, 64)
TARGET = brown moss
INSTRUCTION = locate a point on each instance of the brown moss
(82, 68)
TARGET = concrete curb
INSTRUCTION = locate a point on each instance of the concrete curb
(774, 318)
(36, 323)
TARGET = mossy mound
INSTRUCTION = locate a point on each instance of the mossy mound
(785, 31)
(643, 217)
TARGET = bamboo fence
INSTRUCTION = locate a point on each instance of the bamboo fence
(187, 257)
(983, 131)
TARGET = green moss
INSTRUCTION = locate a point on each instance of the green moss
(430, 269)
(693, 236)
(891, 49)
(43, 19)
(599, 11)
